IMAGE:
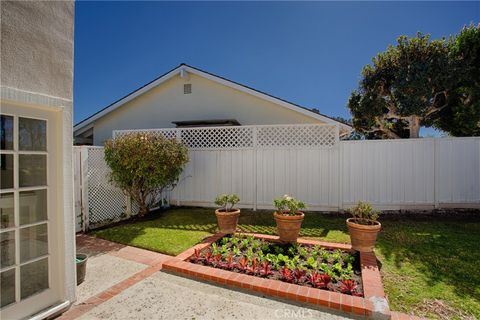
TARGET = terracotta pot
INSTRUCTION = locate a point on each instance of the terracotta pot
(288, 227)
(363, 237)
(227, 221)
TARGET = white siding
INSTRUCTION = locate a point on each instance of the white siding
(160, 106)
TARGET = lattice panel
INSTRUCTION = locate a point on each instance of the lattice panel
(307, 136)
(167, 133)
(105, 201)
(279, 136)
(218, 138)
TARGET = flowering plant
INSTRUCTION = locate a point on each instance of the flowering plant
(288, 205)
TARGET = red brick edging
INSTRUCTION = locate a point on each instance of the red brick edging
(373, 305)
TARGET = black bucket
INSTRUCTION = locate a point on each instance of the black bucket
(81, 261)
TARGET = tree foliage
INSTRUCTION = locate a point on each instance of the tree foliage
(144, 164)
(462, 118)
(420, 82)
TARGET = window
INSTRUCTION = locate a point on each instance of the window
(187, 88)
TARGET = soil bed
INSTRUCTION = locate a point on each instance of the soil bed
(301, 264)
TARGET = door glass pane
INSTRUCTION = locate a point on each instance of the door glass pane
(33, 278)
(6, 210)
(7, 284)
(6, 175)
(32, 170)
(33, 206)
(33, 242)
(32, 134)
(6, 132)
(7, 249)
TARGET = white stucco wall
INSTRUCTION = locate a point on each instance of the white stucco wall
(165, 103)
(37, 72)
(37, 46)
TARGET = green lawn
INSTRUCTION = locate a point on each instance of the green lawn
(430, 265)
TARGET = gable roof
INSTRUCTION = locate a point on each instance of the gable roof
(229, 83)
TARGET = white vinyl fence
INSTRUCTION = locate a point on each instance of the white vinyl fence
(307, 161)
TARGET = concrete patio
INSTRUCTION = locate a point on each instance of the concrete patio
(124, 282)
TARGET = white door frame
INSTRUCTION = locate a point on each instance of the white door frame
(55, 256)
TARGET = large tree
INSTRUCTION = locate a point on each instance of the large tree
(462, 118)
(418, 83)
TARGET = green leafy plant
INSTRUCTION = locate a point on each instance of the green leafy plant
(312, 263)
(215, 250)
(224, 249)
(144, 164)
(324, 255)
(302, 252)
(236, 251)
(288, 205)
(363, 213)
(227, 201)
(347, 272)
(234, 240)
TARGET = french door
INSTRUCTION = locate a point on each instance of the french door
(30, 273)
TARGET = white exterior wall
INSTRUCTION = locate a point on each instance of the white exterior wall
(37, 72)
(160, 106)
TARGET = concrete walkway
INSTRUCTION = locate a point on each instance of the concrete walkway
(123, 282)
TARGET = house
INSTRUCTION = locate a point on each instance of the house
(37, 262)
(188, 96)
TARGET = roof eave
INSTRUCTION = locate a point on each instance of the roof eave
(218, 79)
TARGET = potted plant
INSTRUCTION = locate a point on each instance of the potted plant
(363, 227)
(227, 215)
(81, 262)
(288, 217)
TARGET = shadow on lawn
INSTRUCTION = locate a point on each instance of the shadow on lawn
(442, 249)
(315, 225)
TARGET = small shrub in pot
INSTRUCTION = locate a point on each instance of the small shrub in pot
(363, 227)
(227, 215)
(288, 217)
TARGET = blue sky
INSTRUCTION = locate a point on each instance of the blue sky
(310, 53)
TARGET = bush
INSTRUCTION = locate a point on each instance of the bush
(144, 164)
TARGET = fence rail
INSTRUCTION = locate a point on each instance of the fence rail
(307, 161)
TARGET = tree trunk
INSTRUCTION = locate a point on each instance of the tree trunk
(143, 209)
(142, 204)
(414, 126)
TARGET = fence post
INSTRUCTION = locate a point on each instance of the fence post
(178, 136)
(340, 172)
(254, 141)
(435, 175)
(84, 187)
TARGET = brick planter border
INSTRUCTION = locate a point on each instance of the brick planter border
(373, 305)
